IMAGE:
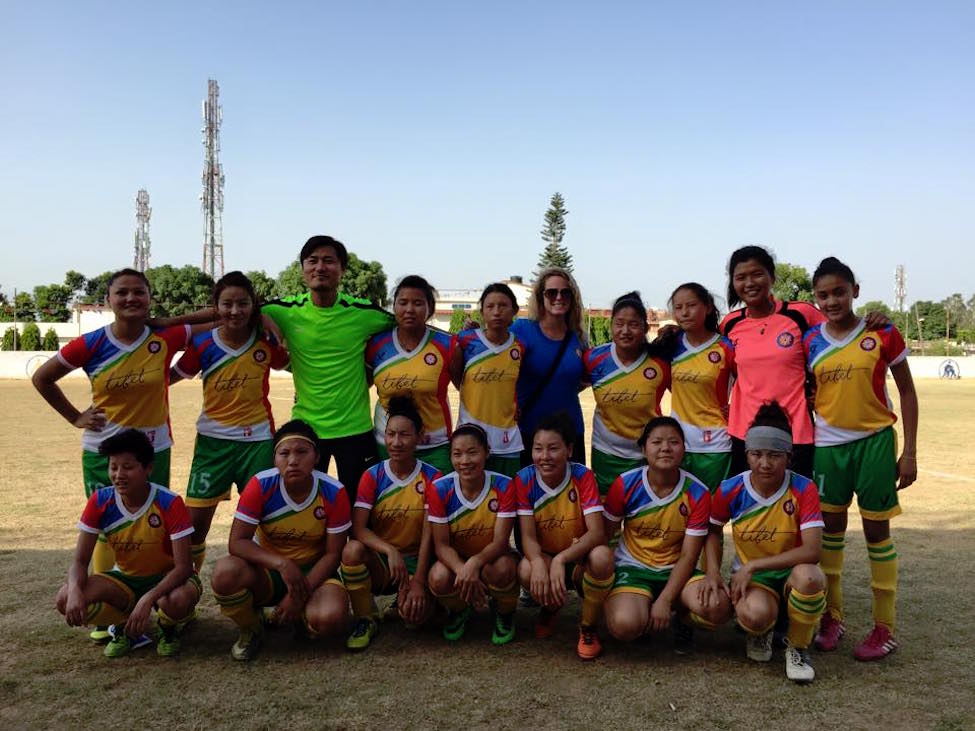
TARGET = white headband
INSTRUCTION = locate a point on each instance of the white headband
(768, 437)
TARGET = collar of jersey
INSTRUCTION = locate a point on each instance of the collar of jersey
(491, 346)
(671, 496)
(410, 353)
(145, 506)
(555, 490)
(298, 507)
(227, 348)
(698, 348)
(775, 495)
(626, 368)
(472, 505)
(854, 333)
(131, 346)
(406, 480)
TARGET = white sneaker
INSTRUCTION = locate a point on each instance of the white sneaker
(798, 666)
(759, 647)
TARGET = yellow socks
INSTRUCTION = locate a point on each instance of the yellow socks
(359, 585)
(239, 608)
(883, 581)
(199, 554)
(506, 597)
(103, 557)
(594, 593)
(831, 563)
(102, 614)
(804, 613)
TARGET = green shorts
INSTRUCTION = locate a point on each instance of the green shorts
(438, 456)
(389, 587)
(708, 467)
(504, 464)
(646, 582)
(772, 581)
(866, 468)
(279, 589)
(220, 463)
(608, 467)
(94, 470)
(137, 587)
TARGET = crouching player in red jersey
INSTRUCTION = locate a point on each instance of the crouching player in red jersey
(665, 513)
(777, 528)
(856, 448)
(147, 528)
(471, 512)
(300, 517)
(391, 551)
(562, 533)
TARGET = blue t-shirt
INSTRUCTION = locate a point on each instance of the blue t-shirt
(561, 393)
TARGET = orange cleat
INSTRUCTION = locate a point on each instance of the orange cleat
(589, 646)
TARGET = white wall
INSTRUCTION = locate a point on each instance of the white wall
(22, 364)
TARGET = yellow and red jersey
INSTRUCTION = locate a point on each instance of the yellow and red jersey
(235, 385)
(396, 506)
(560, 511)
(295, 530)
(700, 376)
(129, 382)
(142, 541)
(471, 522)
(851, 381)
(654, 527)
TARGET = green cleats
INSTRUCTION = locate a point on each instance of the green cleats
(363, 632)
(100, 635)
(119, 645)
(456, 624)
(168, 640)
(247, 645)
(504, 628)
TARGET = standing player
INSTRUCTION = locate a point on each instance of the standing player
(235, 427)
(148, 530)
(562, 534)
(471, 512)
(326, 333)
(127, 363)
(665, 513)
(485, 369)
(413, 360)
(300, 519)
(628, 381)
(777, 528)
(856, 448)
(391, 548)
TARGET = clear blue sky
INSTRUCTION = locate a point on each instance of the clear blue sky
(430, 136)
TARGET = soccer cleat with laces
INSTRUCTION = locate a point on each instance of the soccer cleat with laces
(589, 647)
(877, 645)
(120, 645)
(363, 632)
(798, 666)
(759, 647)
(504, 628)
(100, 635)
(247, 645)
(456, 624)
(168, 640)
(831, 631)
(545, 624)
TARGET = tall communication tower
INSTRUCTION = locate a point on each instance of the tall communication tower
(142, 214)
(900, 287)
(212, 197)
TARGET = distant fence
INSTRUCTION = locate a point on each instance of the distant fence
(22, 364)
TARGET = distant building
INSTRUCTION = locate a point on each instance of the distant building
(84, 318)
(451, 300)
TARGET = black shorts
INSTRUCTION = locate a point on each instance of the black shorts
(353, 456)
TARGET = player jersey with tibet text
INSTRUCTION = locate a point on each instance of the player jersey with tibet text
(130, 383)
(396, 506)
(142, 541)
(771, 366)
(422, 374)
(487, 392)
(295, 530)
(327, 345)
(471, 522)
(559, 511)
(235, 385)
(627, 397)
(699, 381)
(654, 527)
(769, 526)
(851, 381)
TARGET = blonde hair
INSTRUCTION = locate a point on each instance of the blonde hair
(536, 306)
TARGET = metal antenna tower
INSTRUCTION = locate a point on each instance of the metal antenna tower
(900, 287)
(142, 214)
(212, 197)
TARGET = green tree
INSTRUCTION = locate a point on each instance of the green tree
(265, 286)
(600, 330)
(50, 341)
(52, 302)
(956, 310)
(364, 279)
(10, 339)
(75, 281)
(792, 283)
(459, 318)
(178, 291)
(96, 289)
(554, 254)
(30, 338)
(290, 281)
(24, 308)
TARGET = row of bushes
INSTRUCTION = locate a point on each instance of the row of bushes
(30, 339)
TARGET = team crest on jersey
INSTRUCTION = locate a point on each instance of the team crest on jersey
(868, 344)
(650, 373)
(785, 340)
(430, 359)
(683, 509)
(419, 487)
(154, 520)
(515, 355)
(493, 505)
(319, 513)
(154, 346)
(714, 356)
(572, 495)
(260, 356)
(789, 507)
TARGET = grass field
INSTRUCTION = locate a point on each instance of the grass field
(51, 677)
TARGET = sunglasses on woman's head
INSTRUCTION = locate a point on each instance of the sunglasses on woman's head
(552, 294)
